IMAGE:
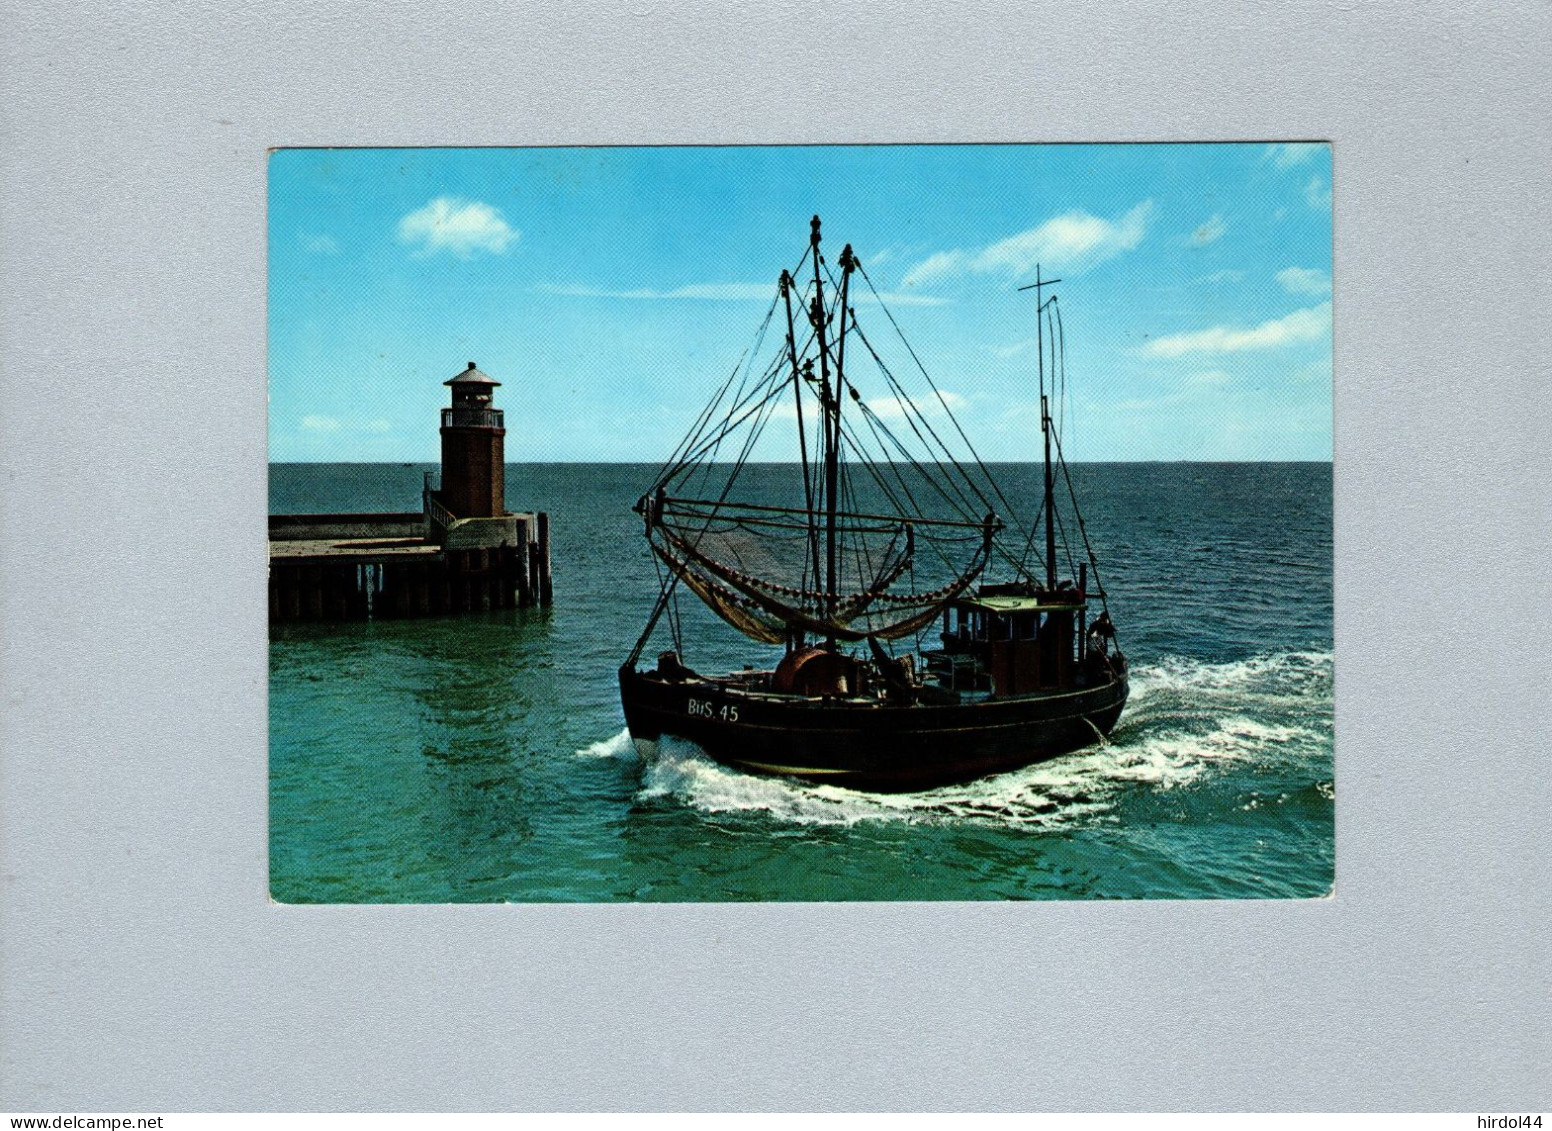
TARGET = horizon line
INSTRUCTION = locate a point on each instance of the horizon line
(752, 462)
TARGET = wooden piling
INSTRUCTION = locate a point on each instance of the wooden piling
(312, 591)
(333, 594)
(520, 563)
(361, 598)
(546, 586)
(502, 588)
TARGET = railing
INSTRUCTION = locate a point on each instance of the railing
(437, 513)
(471, 418)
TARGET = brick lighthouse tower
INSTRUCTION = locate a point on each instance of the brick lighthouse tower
(473, 454)
(464, 552)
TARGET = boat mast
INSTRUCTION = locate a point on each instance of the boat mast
(1045, 426)
(832, 406)
(787, 284)
(848, 262)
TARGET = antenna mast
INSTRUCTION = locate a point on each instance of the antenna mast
(1045, 426)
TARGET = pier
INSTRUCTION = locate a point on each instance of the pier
(461, 552)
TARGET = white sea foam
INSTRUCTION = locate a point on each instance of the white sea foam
(1186, 719)
(618, 746)
(1079, 789)
(1281, 675)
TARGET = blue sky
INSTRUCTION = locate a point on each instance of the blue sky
(612, 290)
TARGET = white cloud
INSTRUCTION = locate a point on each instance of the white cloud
(1014, 349)
(322, 245)
(1072, 241)
(1317, 193)
(379, 425)
(722, 292)
(1286, 154)
(1209, 231)
(1304, 281)
(892, 408)
(891, 253)
(1209, 377)
(1225, 275)
(460, 226)
(320, 424)
(938, 265)
(1300, 326)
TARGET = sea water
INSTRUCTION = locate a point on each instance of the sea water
(484, 757)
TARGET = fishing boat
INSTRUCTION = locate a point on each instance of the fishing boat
(924, 638)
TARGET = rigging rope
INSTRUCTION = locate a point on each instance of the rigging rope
(907, 409)
(748, 400)
(1083, 532)
(933, 386)
(877, 425)
(1061, 347)
(747, 356)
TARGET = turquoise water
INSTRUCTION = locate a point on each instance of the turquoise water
(483, 758)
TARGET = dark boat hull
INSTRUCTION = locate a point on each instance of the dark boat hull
(869, 746)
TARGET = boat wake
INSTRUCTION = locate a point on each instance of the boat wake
(618, 747)
(1186, 719)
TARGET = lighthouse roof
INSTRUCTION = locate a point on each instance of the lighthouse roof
(472, 376)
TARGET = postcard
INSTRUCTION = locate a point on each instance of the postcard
(801, 523)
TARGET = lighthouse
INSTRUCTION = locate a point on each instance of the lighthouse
(462, 552)
(473, 452)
